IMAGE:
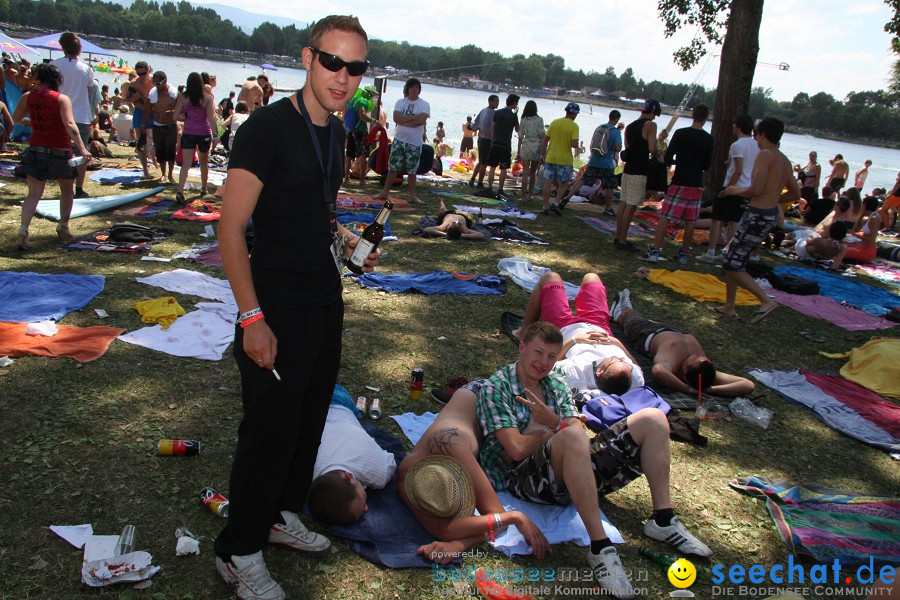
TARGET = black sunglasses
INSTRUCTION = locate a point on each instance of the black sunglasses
(335, 63)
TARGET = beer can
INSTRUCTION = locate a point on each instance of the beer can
(178, 447)
(361, 406)
(216, 502)
(416, 383)
(125, 545)
(375, 409)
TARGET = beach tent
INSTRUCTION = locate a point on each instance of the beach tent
(11, 46)
(51, 42)
(268, 67)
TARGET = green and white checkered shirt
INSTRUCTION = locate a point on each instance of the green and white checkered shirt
(498, 408)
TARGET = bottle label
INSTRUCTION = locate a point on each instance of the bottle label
(361, 252)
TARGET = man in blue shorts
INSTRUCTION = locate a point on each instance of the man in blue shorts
(605, 147)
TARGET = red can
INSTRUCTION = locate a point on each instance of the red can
(416, 384)
(216, 502)
(178, 447)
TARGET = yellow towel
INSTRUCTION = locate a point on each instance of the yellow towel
(875, 365)
(699, 286)
(159, 310)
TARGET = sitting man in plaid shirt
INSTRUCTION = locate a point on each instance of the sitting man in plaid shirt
(535, 448)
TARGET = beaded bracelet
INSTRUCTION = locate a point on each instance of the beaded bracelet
(257, 317)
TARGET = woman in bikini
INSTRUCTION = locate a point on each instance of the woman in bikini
(868, 233)
(454, 225)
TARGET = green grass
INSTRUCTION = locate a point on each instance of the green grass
(79, 439)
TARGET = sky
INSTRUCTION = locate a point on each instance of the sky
(835, 46)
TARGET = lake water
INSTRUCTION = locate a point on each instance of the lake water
(451, 105)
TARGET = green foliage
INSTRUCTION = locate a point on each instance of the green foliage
(708, 16)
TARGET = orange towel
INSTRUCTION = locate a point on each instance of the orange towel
(84, 344)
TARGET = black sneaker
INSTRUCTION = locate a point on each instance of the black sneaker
(501, 195)
(80, 193)
(471, 183)
(556, 210)
(564, 201)
(545, 211)
(625, 246)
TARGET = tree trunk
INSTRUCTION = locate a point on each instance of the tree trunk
(736, 68)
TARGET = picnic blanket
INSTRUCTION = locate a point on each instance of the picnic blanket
(464, 197)
(213, 177)
(99, 241)
(875, 365)
(84, 344)
(653, 219)
(356, 222)
(703, 287)
(434, 282)
(873, 300)
(32, 297)
(113, 176)
(204, 333)
(507, 213)
(507, 231)
(205, 211)
(526, 275)
(558, 523)
(355, 201)
(829, 309)
(87, 206)
(608, 227)
(146, 208)
(827, 524)
(8, 168)
(841, 404)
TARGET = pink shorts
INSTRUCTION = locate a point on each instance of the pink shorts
(590, 305)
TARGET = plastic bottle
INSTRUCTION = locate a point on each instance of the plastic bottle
(745, 409)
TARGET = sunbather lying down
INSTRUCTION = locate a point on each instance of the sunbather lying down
(454, 225)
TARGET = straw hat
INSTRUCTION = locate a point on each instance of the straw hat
(440, 486)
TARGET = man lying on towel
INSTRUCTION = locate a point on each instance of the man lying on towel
(591, 357)
(441, 483)
(679, 361)
(454, 225)
(349, 461)
(536, 449)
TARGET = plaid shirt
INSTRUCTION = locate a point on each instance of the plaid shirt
(497, 408)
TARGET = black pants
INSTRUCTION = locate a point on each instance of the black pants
(278, 438)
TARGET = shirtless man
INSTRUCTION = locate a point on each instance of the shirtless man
(840, 170)
(679, 361)
(456, 433)
(165, 131)
(453, 225)
(859, 181)
(829, 246)
(771, 174)
(138, 95)
(252, 93)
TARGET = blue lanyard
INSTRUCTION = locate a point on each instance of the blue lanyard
(330, 197)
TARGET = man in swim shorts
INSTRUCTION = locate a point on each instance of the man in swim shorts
(840, 170)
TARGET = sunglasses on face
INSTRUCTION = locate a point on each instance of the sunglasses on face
(140, 73)
(335, 63)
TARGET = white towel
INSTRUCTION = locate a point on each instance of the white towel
(526, 275)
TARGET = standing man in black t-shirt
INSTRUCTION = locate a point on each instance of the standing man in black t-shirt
(691, 152)
(640, 149)
(505, 122)
(285, 170)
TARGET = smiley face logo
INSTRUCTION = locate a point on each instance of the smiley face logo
(682, 573)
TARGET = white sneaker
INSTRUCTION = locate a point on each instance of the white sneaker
(618, 305)
(248, 578)
(625, 298)
(707, 258)
(293, 534)
(677, 536)
(608, 570)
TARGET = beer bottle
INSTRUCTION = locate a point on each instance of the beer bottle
(663, 561)
(371, 237)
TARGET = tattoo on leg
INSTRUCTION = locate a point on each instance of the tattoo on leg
(443, 440)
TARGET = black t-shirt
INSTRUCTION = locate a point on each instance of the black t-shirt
(291, 260)
(104, 122)
(638, 150)
(505, 122)
(817, 210)
(692, 151)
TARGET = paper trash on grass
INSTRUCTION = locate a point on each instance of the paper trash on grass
(45, 328)
(76, 535)
(101, 567)
(6, 361)
(187, 542)
(156, 258)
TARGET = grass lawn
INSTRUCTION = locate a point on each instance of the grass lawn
(79, 440)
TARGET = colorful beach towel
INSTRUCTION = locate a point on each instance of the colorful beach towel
(146, 209)
(827, 524)
(558, 523)
(873, 300)
(507, 213)
(112, 176)
(32, 297)
(829, 309)
(842, 405)
(702, 287)
(882, 271)
(608, 227)
(199, 210)
(653, 219)
(357, 221)
(435, 282)
(354, 201)
(8, 168)
(875, 365)
(99, 241)
(205, 254)
(84, 344)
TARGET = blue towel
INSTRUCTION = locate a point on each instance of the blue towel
(126, 176)
(357, 221)
(31, 297)
(873, 300)
(435, 282)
